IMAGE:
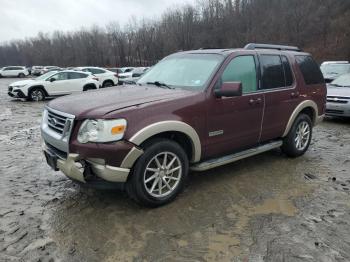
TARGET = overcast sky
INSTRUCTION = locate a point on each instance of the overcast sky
(25, 18)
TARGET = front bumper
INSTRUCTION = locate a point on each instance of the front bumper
(81, 171)
(338, 109)
(17, 94)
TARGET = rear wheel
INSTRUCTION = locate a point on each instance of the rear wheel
(108, 83)
(36, 94)
(299, 137)
(21, 75)
(89, 87)
(159, 174)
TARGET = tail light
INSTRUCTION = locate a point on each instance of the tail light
(95, 78)
(116, 75)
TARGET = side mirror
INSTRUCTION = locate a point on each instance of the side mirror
(52, 79)
(229, 89)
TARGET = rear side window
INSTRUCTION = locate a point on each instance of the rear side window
(96, 71)
(272, 71)
(76, 75)
(287, 71)
(310, 70)
(242, 69)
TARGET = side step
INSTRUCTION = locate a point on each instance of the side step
(202, 166)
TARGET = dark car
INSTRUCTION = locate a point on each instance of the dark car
(194, 110)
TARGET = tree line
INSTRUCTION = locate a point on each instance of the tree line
(321, 27)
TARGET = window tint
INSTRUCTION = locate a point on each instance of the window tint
(272, 71)
(76, 75)
(242, 69)
(60, 76)
(287, 71)
(310, 70)
(96, 71)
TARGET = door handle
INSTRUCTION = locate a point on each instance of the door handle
(255, 101)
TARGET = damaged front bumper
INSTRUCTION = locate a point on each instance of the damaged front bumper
(84, 170)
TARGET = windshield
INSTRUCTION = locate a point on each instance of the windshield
(335, 69)
(47, 75)
(343, 81)
(187, 71)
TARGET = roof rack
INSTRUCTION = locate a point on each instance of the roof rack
(267, 46)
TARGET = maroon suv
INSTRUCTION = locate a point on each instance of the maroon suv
(193, 110)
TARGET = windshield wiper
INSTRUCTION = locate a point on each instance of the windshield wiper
(160, 84)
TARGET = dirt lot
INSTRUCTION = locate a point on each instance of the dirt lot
(266, 208)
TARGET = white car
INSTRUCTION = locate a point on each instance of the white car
(106, 78)
(53, 83)
(46, 69)
(14, 71)
(132, 73)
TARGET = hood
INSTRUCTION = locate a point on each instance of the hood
(338, 91)
(98, 103)
(23, 82)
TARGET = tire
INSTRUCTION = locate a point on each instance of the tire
(36, 94)
(89, 87)
(0, 75)
(21, 75)
(299, 137)
(107, 83)
(155, 187)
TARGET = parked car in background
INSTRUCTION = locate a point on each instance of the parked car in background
(107, 78)
(332, 69)
(193, 110)
(36, 70)
(115, 70)
(46, 69)
(14, 71)
(135, 72)
(54, 83)
(338, 97)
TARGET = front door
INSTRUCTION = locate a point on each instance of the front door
(234, 123)
(60, 85)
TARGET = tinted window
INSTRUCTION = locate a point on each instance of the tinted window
(96, 71)
(242, 69)
(76, 75)
(287, 71)
(60, 76)
(310, 70)
(272, 71)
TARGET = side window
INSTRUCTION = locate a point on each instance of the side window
(60, 76)
(310, 70)
(76, 75)
(242, 69)
(272, 71)
(96, 71)
(287, 71)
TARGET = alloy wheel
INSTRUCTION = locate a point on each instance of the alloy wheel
(163, 174)
(37, 95)
(302, 135)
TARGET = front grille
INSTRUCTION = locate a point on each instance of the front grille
(56, 122)
(334, 111)
(338, 99)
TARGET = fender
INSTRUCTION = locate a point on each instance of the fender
(168, 126)
(297, 110)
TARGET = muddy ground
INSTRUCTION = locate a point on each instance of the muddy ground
(265, 208)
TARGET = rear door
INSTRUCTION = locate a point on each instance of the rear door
(281, 96)
(234, 123)
(76, 81)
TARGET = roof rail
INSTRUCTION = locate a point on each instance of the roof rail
(267, 46)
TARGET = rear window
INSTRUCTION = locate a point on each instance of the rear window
(310, 70)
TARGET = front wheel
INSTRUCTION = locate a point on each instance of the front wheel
(36, 94)
(159, 174)
(299, 137)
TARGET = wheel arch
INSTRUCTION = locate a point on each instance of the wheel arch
(308, 107)
(108, 80)
(176, 130)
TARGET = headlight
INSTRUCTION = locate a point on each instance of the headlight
(101, 131)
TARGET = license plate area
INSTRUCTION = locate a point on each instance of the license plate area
(51, 160)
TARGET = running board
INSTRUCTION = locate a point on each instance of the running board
(202, 166)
